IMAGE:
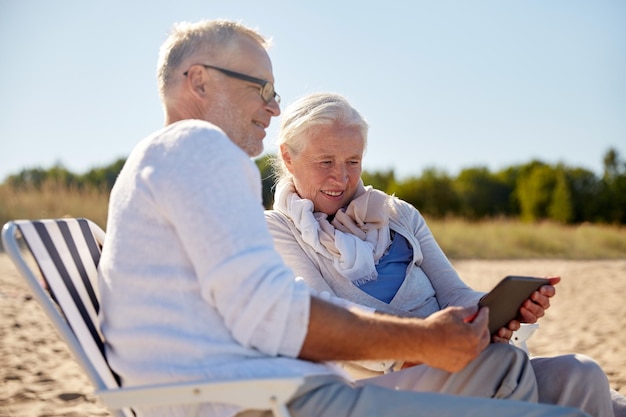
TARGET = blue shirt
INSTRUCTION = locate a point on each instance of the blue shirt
(391, 270)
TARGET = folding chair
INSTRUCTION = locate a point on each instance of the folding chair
(67, 252)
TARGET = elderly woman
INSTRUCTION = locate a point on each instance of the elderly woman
(360, 244)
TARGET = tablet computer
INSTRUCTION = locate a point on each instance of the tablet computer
(505, 299)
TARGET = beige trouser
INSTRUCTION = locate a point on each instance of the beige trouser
(328, 396)
(576, 381)
(500, 371)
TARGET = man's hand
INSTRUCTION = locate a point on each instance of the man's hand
(454, 341)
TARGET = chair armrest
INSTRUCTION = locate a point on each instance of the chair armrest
(260, 393)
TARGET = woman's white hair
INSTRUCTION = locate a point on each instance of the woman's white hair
(310, 112)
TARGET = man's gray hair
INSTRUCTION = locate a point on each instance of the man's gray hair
(208, 37)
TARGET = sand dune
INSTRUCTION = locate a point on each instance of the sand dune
(40, 378)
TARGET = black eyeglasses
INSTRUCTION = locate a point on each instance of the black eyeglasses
(267, 88)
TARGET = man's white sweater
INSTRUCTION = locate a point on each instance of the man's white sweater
(191, 286)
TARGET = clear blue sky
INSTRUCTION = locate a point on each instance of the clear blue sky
(445, 84)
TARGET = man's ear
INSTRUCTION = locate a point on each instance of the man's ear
(284, 152)
(197, 78)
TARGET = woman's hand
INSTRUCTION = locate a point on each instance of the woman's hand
(539, 301)
(531, 310)
(504, 334)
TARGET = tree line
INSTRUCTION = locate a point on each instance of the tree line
(532, 192)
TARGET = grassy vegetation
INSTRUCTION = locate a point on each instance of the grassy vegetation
(53, 200)
(512, 239)
(460, 239)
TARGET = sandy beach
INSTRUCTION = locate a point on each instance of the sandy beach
(40, 378)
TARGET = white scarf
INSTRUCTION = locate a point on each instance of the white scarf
(357, 237)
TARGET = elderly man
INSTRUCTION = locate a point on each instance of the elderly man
(191, 286)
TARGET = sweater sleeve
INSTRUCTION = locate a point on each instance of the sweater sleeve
(210, 192)
(450, 290)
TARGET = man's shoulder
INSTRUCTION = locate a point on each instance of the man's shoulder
(191, 147)
(191, 128)
(196, 136)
